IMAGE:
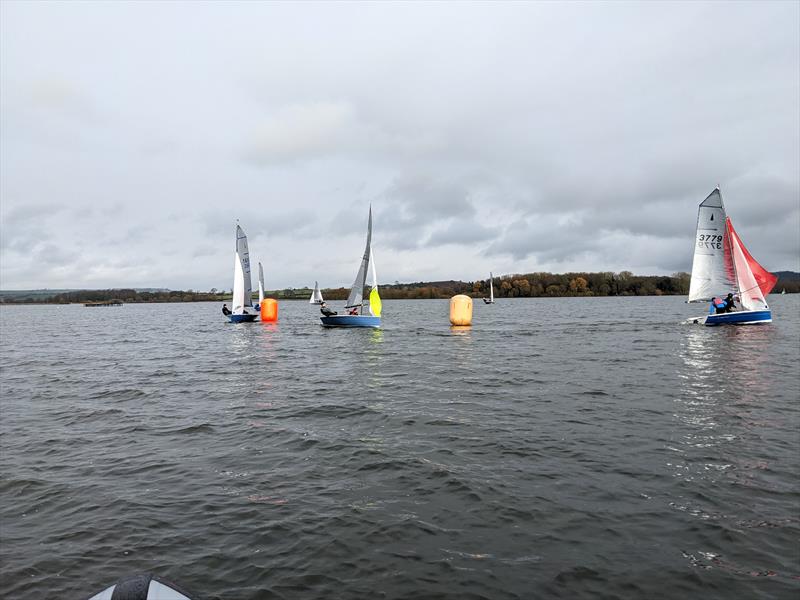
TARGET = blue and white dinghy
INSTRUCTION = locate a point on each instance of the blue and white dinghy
(355, 301)
(723, 265)
(242, 309)
(142, 587)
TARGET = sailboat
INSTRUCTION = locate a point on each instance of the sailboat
(242, 309)
(722, 264)
(490, 299)
(260, 285)
(355, 301)
(316, 295)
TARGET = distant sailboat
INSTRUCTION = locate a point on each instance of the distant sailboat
(722, 264)
(783, 291)
(490, 299)
(260, 285)
(355, 301)
(316, 295)
(242, 309)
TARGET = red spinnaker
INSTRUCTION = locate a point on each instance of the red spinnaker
(766, 280)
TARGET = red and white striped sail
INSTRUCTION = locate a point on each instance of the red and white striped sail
(753, 281)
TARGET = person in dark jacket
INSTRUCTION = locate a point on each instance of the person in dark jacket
(225, 310)
(323, 308)
(729, 304)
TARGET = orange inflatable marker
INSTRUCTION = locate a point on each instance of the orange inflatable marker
(269, 310)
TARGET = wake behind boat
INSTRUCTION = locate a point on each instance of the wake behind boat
(721, 265)
(242, 310)
(355, 301)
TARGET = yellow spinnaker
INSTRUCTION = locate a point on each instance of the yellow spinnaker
(375, 303)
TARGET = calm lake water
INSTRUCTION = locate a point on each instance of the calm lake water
(560, 448)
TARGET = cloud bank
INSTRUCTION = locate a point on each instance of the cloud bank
(510, 137)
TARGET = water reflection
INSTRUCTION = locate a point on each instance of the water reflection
(463, 331)
(726, 364)
(724, 377)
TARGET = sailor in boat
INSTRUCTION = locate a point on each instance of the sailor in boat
(225, 310)
(721, 306)
(730, 303)
(323, 308)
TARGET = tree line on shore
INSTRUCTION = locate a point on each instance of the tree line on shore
(531, 285)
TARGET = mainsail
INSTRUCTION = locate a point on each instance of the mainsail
(491, 287)
(712, 268)
(242, 288)
(316, 295)
(356, 297)
(260, 284)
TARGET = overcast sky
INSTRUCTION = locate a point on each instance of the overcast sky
(512, 137)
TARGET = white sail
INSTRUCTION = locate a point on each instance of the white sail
(712, 267)
(491, 287)
(260, 284)
(356, 296)
(316, 295)
(242, 287)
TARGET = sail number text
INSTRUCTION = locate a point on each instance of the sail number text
(709, 241)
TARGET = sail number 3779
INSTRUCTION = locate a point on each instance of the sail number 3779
(709, 241)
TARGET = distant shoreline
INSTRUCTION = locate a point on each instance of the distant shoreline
(531, 285)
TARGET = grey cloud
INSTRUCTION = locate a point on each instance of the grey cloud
(462, 232)
(528, 135)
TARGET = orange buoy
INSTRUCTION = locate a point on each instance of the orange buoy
(269, 310)
(461, 310)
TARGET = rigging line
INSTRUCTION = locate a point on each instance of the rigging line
(750, 288)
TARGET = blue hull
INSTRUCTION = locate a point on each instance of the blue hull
(351, 321)
(242, 318)
(743, 317)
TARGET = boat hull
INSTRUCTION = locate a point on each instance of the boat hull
(742, 317)
(351, 321)
(242, 318)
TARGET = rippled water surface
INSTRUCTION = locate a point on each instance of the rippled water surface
(560, 448)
